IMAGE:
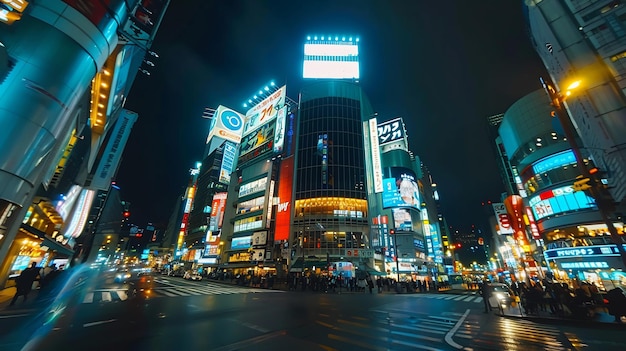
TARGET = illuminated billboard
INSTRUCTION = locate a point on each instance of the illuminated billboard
(559, 200)
(257, 143)
(331, 59)
(265, 111)
(400, 188)
(376, 164)
(228, 162)
(217, 211)
(402, 220)
(226, 124)
(391, 131)
(283, 211)
(241, 243)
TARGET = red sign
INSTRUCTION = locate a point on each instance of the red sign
(285, 189)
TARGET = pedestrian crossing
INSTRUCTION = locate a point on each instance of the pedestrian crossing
(451, 297)
(508, 334)
(385, 329)
(118, 295)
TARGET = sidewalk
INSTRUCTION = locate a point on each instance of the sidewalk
(6, 295)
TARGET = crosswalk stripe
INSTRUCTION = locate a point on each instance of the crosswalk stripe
(88, 298)
(105, 296)
(184, 292)
(461, 297)
(177, 292)
(122, 295)
(165, 292)
(467, 299)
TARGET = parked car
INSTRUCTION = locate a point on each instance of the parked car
(191, 275)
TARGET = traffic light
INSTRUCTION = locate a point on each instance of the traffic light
(126, 214)
(582, 184)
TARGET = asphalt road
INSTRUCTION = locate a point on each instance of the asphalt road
(185, 315)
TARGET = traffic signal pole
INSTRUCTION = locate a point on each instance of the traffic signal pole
(597, 190)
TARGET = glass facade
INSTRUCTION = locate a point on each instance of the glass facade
(331, 197)
(331, 162)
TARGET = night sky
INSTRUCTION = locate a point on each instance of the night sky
(443, 66)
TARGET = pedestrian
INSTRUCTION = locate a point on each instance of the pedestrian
(24, 282)
(370, 283)
(379, 284)
(485, 291)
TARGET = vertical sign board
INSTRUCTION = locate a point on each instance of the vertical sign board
(279, 134)
(376, 164)
(502, 217)
(283, 211)
(228, 162)
(112, 154)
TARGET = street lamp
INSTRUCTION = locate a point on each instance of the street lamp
(597, 190)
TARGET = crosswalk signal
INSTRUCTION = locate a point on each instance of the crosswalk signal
(582, 184)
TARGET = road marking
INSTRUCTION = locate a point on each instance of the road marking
(14, 315)
(448, 337)
(468, 298)
(86, 325)
(88, 298)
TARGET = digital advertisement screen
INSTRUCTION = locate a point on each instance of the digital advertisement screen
(332, 59)
(257, 143)
(400, 188)
(241, 243)
(402, 219)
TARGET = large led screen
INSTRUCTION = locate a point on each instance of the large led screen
(402, 220)
(257, 143)
(331, 59)
(400, 188)
(559, 200)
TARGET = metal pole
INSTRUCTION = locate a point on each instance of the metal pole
(597, 191)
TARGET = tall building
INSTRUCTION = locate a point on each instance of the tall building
(65, 71)
(581, 41)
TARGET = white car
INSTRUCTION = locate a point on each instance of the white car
(501, 295)
(192, 276)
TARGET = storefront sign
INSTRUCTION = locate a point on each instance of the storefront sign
(587, 251)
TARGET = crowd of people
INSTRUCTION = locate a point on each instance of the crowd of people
(43, 279)
(578, 299)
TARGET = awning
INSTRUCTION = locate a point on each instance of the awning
(48, 241)
(297, 265)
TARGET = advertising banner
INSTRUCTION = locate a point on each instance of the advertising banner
(265, 111)
(502, 217)
(283, 210)
(258, 143)
(402, 220)
(401, 189)
(226, 124)
(115, 143)
(217, 211)
(241, 243)
(376, 163)
(279, 135)
(391, 131)
(259, 238)
(228, 162)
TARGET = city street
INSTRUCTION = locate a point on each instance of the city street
(208, 315)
